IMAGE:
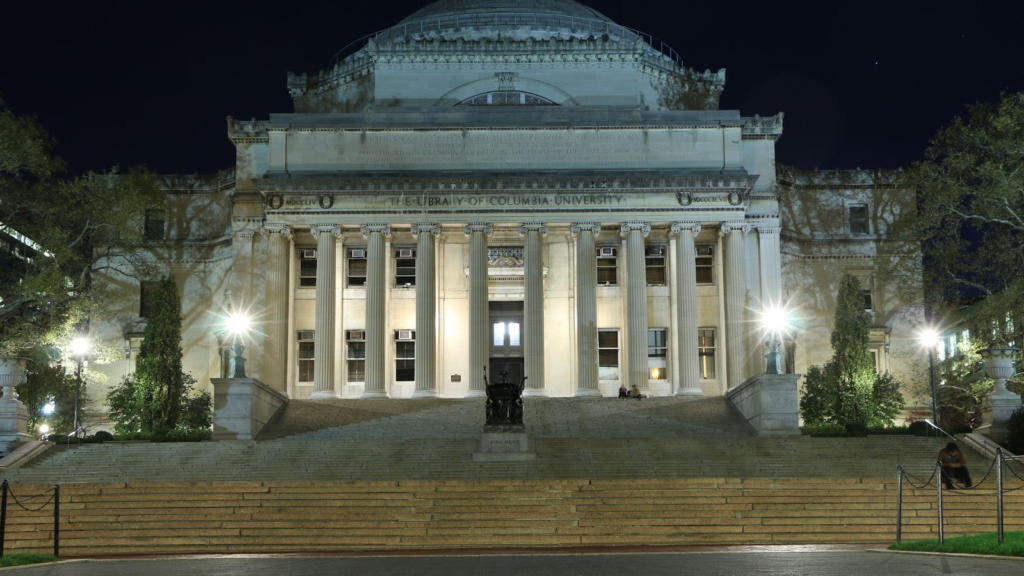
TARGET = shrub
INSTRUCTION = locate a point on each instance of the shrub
(1015, 432)
(104, 436)
(856, 429)
(888, 430)
(823, 429)
(919, 428)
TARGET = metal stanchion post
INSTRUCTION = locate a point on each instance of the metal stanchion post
(999, 494)
(56, 520)
(3, 516)
(899, 505)
(938, 483)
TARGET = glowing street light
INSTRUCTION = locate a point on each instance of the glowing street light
(929, 338)
(44, 429)
(238, 325)
(775, 321)
(79, 350)
(48, 408)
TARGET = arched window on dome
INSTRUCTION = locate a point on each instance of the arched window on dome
(507, 98)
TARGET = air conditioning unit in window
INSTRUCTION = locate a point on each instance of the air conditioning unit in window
(308, 254)
(356, 335)
(404, 334)
(358, 254)
(405, 253)
(305, 335)
(656, 251)
(606, 252)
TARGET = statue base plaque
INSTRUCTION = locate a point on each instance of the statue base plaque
(505, 443)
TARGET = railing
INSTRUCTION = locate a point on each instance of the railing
(440, 23)
(1002, 461)
(933, 429)
(5, 490)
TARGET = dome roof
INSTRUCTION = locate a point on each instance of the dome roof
(453, 8)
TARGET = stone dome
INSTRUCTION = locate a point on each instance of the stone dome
(451, 8)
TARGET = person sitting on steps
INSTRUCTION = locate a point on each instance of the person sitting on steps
(623, 393)
(635, 392)
(954, 465)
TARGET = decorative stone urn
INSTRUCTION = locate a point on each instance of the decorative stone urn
(13, 414)
(1000, 405)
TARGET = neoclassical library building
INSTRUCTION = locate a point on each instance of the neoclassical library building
(516, 186)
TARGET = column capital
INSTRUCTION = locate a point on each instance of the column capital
(579, 227)
(368, 229)
(487, 229)
(769, 229)
(680, 227)
(245, 235)
(734, 227)
(283, 229)
(426, 228)
(628, 227)
(318, 229)
(533, 227)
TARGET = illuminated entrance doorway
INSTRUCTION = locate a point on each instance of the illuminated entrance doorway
(506, 341)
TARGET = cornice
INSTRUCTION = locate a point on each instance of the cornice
(701, 188)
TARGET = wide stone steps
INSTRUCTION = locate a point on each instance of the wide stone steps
(223, 517)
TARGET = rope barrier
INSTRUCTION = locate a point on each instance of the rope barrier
(52, 492)
(911, 477)
(963, 487)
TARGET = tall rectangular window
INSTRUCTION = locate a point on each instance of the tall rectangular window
(655, 265)
(705, 262)
(307, 268)
(357, 267)
(355, 356)
(405, 355)
(706, 352)
(608, 354)
(607, 266)
(657, 353)
(147, 291)
(155, 224)
(405, 267)
(859, 220)
(306, 355)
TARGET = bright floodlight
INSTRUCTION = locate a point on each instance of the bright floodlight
(929, 337)
(238, 324)
(80, 346)
(775, 319)
(48, 408)
(44, 428)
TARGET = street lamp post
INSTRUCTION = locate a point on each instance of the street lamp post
(929, 338)
(775, 321)
(238, 325)
(79, 348)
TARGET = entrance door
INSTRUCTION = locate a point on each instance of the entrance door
(506, 341)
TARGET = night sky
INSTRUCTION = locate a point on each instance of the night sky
(863, 84)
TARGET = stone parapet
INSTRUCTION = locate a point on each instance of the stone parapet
(770, 403)
(242, 407)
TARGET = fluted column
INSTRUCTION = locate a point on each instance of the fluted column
(686, 309)
(276, 325)
(636, 304)
(533, 307)
(735, 300)
(426, 311)
(479, 316)
(376, 261)
(323, 336)
(771, 265)
(586, 308)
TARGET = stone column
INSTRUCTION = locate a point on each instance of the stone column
(426, 310)
(686, 309)
(636, 304)
(276, 337)
(376, 292)
(323, 335)
(586, 308)
(771, 265)
(533, 307)
(735, 300)
(479, 316)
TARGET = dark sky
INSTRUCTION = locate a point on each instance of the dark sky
(862, 83)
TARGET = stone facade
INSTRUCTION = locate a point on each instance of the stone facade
(532, 189)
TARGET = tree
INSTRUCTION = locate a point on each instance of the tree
(72, 226)
(157, 399)
(970, 190)
(49, 381)
(847, 390)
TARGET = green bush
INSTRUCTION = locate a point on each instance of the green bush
(176, 435)
(823, 429)
(919, 428)
(856, 430)
(103, 436)
(888, 430)
(1015, 432)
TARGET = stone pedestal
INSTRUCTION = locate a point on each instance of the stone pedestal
(505, 444)
(770, 403)
(1000, 405)
(242, 407)
(13, 414)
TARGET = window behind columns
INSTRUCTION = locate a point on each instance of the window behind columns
(607, 266)
(147, 291)
(405, 267)
(356, 268)
(706, 352)
(705, 262)
(657, 353)
(355, 356)
(655, 264)
(608, 354)
(307, 268)
(405, 355)
(305, 355)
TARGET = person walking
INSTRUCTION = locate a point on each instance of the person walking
(954, 465)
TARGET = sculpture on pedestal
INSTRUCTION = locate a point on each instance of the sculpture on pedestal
(504, 438)
(504, 402)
